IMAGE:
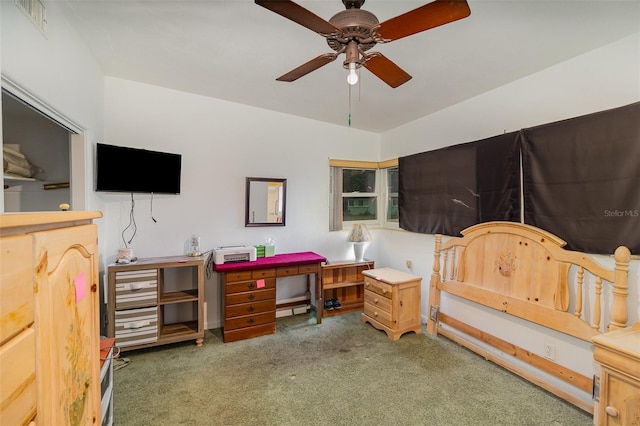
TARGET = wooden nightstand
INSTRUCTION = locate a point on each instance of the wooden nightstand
(392, 301)
(618, 353)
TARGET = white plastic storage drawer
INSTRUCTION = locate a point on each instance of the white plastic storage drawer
(136, 326)
(136, 288)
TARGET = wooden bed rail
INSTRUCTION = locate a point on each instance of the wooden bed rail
(525, 272)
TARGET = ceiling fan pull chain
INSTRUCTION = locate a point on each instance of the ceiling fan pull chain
(349, 88)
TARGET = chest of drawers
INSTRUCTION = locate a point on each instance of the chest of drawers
(249, 304)
(392, 301)
(49, 311)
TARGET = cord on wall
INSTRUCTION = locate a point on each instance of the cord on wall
(132, 224)
(151, 210)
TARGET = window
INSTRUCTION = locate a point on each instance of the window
(356, 189)
(391, 192)
(359, 196)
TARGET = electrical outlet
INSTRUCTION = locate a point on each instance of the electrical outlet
(409, 263)
(549, 351)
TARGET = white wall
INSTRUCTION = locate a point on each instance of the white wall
(602, 79)
(221, 144)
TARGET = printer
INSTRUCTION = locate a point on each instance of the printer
(230, 254)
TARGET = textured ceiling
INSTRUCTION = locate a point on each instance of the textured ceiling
(234, 50)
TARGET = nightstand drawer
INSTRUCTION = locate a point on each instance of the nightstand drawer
(136, 288)
(380, 315)
(377, 300)
(136, 326)
(378, 287)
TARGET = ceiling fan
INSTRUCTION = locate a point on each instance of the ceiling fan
(355, 31)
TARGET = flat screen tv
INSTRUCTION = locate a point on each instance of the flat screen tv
(123, 169)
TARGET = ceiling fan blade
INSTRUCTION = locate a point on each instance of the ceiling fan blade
(300, 15)
(429, 16)
(386, 70)
(307, 67)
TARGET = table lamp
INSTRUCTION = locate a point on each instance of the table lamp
(358, 236)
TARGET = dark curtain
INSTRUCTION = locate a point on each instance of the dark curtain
(581, 179)
(447, 190)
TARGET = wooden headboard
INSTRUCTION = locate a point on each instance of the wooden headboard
(524, 271)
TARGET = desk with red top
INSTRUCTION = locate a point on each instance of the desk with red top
(249, 291)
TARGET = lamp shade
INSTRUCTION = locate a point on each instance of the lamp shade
(359, 233)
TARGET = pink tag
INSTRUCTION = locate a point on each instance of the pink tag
(81, 286)
(260, 283)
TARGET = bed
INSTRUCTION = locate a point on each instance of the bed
(525, 272)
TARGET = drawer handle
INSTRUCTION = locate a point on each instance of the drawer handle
(250, 320)
(612, 411)
(367, 284)
(250, 309)
(375, 300)
(384, 291)
(375, 314)
(251, 297)
(134, 287)
(250, 286)
(136, 324)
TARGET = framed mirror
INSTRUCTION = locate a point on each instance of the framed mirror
(266, 202)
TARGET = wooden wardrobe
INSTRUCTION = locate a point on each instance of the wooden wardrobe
(49, 319)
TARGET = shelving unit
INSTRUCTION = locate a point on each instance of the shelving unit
(342, 280)
(156, 301)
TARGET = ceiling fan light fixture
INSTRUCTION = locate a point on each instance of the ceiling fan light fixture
(355, 31)
(352, 77)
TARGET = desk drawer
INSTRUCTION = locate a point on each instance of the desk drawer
(380, 302)
(263, 273)
(136, 326)
(379, 287)
(309, 269)
(287, 271)
(250, 308)
(136, 288)
(251, 296)
(231, 277)
(380, 315)
(252, 285)
(250, 320)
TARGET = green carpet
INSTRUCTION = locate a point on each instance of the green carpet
(342, 372)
